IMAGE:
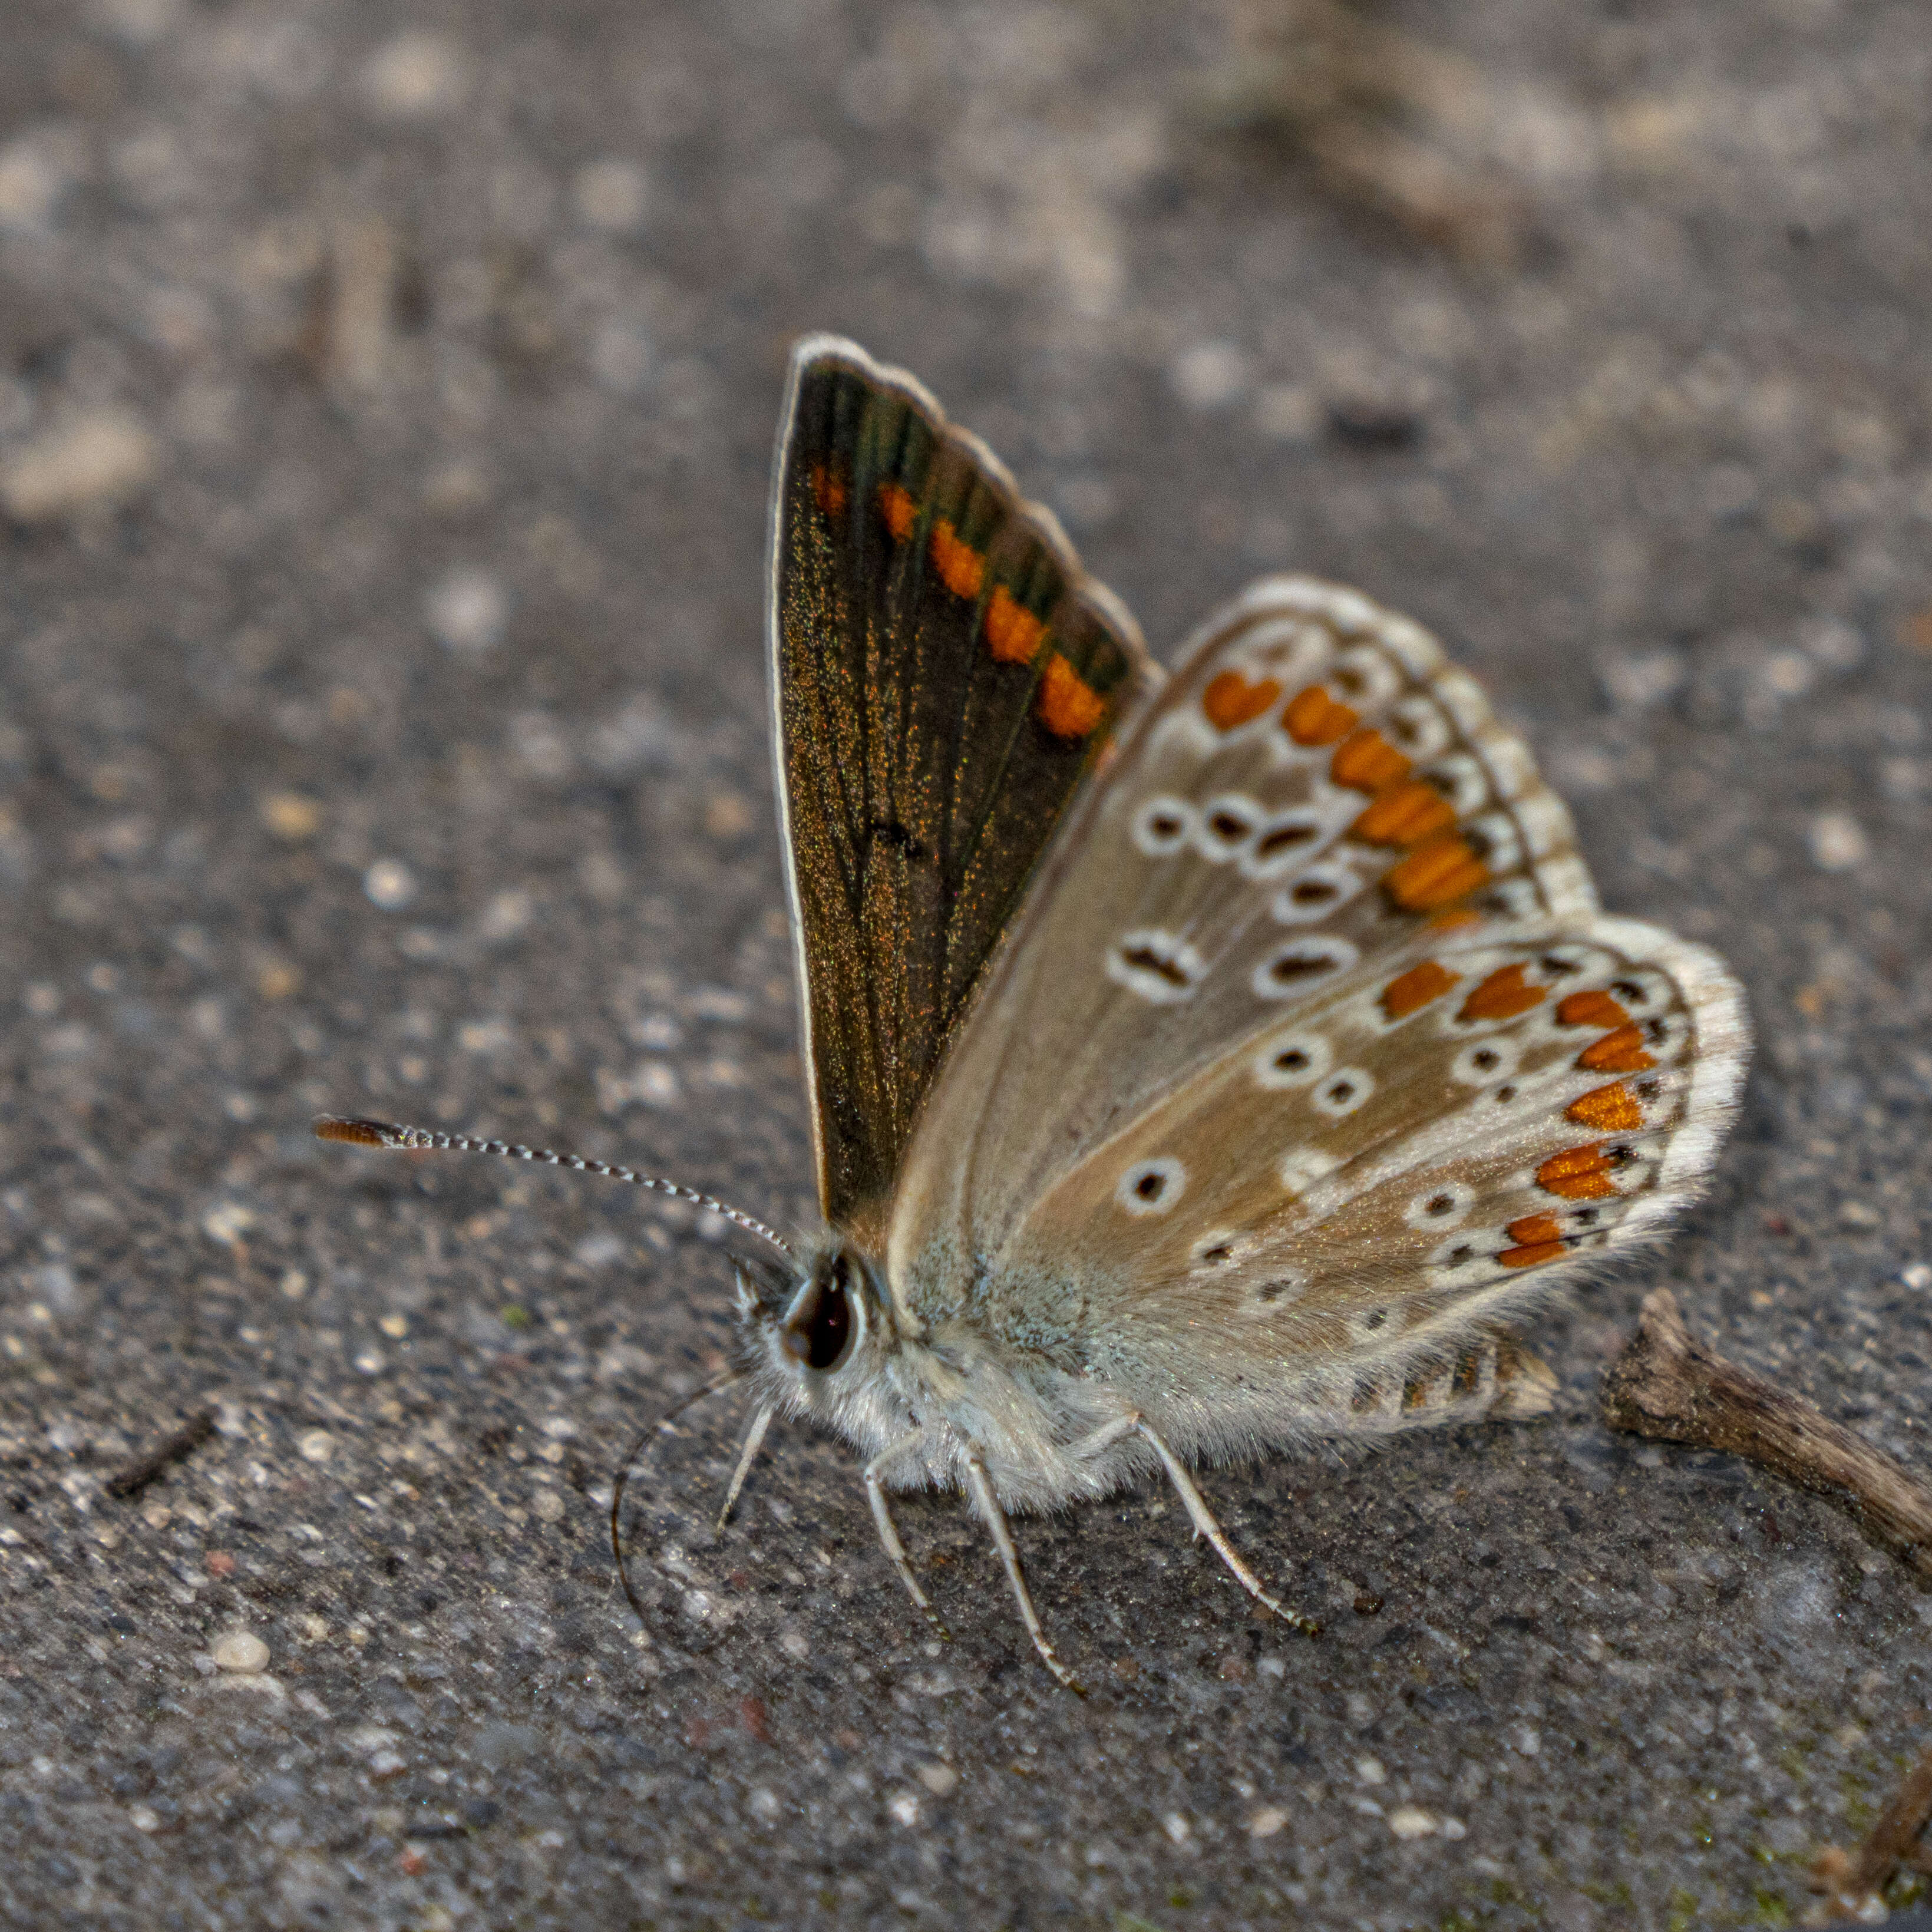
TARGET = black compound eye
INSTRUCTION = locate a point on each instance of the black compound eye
(820, 1332)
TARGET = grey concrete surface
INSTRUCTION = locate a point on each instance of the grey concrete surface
(385, 400)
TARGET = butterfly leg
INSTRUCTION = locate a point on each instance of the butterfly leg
(755, 1441)
(995, 1519)
(889, 1534)
(1204, 1525)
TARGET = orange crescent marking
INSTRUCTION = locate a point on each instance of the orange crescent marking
(1367, 762)
(1619, 1052)
(962, 569)
(1591, 1009)
(828, 490)
(1415, 989)
(1611, 1110)
(1404, 815)
(1434, 874)
(1534, 1230)
(1577, 1173)
(1530, 1254)
(1502, 996)
(1231, 699)
(1314, 718)
(1069, 706)
(1013, 633)
(897, 507)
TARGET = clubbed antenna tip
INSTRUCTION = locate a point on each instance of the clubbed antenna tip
(389, 1134)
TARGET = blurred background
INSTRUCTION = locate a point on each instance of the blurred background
(386, 399)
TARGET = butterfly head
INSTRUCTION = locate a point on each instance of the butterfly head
(821, 1327)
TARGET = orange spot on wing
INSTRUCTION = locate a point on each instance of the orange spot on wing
(1611, 1110)
(828, 490)
(1404, 815)
(1069, 706)
(1314, 718)
(1596, 1010)
(1577, 1173)
(897, 507)
(1415, 989)
(962, 569)
(1502, 996)
(1434, 874)
(1013, 633)
(1530, 1254)
(1619, 1052)
(1534, 1230)
(1367, 762)
(1231, 699)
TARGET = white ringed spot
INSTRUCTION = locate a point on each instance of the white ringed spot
(1286, 840)
(1316, 892)
(1418, 728)
(1301, 1169)
(1150, 1186)
(1220, 1250)
(1462, 781)
(1365, 677)
(1343, 1092)
(1482, 1061)
(1227, 823)
(1163, 826)
(1290, 970)
(1293, 1060)
(1160, 967)
(1444, 1206)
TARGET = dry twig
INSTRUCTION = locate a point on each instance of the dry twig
(1666, 1384)
(1851, 1880)
(134, 1477)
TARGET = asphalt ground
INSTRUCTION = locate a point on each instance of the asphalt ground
(386, 397)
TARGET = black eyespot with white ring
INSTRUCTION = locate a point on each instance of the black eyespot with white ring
(1291, 970)
(1314, 892)
(1343, 1092)
(1163, 827)
(1151, 1186)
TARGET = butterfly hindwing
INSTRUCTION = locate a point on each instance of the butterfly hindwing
(1316, 787)
(1419, 1145)
(945, 678)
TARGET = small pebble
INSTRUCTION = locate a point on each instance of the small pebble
(94, 461)
(1409, 1821)
(1838, 842)
(242, 1651)
(939, 1779)
(317, 1445)
(1267, 1821)
(547, 1506)
(466, 612)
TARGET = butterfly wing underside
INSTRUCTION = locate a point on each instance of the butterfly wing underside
(945, 678)
(1318, 951)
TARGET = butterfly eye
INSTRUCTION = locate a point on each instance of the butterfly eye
(820, 1329)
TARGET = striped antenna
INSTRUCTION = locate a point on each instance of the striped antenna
(387, 1134)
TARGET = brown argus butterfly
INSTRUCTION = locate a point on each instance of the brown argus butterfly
(1200, 1066)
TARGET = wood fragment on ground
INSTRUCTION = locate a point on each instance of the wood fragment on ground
(1852, 1881)
(133, 1477)
(1668, 1385)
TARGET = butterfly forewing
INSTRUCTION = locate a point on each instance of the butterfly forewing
(946, 678)
(1315, 788)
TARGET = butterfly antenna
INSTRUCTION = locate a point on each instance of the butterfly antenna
(387, 1134)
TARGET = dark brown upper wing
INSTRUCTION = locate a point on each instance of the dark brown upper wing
(945, 676)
